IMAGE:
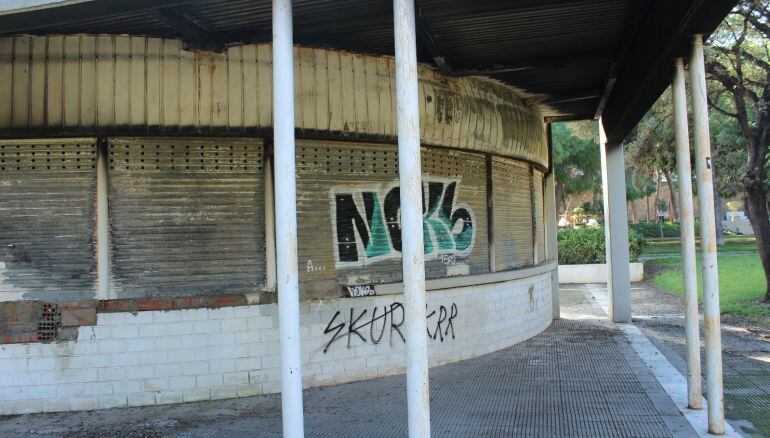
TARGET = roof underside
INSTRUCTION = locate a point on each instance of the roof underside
(578, 59)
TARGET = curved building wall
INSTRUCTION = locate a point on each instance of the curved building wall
(190, 311)
(106, 83)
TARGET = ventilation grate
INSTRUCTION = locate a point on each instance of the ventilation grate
(25, 156)
(49, 322)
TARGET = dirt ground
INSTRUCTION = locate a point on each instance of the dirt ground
(746, 354)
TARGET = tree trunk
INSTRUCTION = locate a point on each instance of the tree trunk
(648, 208)
(755, 199)
(674, 210)
(719, 211)
(633, 212)
(559, 196)
(657, 194)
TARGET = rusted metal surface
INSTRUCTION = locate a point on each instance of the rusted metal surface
(47, 193)
(127, 84)
(512, 200)
(687, 220)
(186, 216)
(711, 313)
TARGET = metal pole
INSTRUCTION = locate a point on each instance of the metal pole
(102, 224)
(615, 228)
(687, 222)
(412, 256)
(708, 238)
(286, 220)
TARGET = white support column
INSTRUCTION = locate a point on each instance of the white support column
(286, 219)
(687, 219)
(551, 227)
(103, 291)
(615, 229)
(412, 256)
(708, 240)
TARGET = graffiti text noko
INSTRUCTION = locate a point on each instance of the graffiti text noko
(367, 226)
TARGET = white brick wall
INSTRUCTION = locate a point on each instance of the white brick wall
(177, 356)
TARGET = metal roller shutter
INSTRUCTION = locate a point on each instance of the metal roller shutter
(186, 216)
(348, 201)
(47, 204)
(512, 210)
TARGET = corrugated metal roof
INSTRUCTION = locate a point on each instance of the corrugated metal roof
(562, 52)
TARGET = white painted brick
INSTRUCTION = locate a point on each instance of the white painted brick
(194, 341)
(221, 339)
(101, 332)
(249, 391)
(153, 357)
(84, 347)
(117, 318)
(194, 314)
(100, 388)
(83, 403)
(246, 311)
(222, 365)
(248, 337)
(179, 383)
(152, 330)
(139, 318)
(71, 390)
(13, 365)
(112, 346)
(166, 397)
(168, 370)
(223, 393)
(140, 344)
(109, 374)
(235, 351)
(248, 363)
(179, 328)
(272, 361)
(236, 378)
(208, 380)
(269, 335)
(209, 326)
(167, 316)
(42, 364)
(127, 386)
(170, 342)
(261, 322)
(125, 331)
(221, 313)
(27, 406)
(112, 401)
(125, 359)
(234, 325)
(155, 384)
(196, 394)
(195, 368)
(141, 398)
(140, 372)
(55, 405)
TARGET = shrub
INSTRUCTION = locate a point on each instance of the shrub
(586, 245)
(652, 230)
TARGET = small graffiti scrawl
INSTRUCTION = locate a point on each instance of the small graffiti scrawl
(367, 225)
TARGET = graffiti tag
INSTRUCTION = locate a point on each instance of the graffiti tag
(367, 225)
(361, 290)
(391, 319)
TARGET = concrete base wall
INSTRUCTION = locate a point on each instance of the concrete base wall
(158, 357)
(571, 274)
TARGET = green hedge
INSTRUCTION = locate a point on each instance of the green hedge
(585, 245)
(652, 230)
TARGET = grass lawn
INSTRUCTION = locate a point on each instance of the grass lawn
(672, 246)
(741, 283)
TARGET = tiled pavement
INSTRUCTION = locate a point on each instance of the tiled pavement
(578, 378)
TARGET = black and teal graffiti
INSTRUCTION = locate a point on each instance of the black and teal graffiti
(367, 224)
